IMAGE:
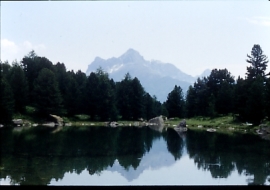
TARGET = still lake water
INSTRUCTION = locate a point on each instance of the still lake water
(131, 156)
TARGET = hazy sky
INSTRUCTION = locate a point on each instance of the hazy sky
(193, 35)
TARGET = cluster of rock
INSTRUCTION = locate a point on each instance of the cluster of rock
(157, 121)
(263, 130)
(57, 121)
(20, 122)
(156, 124)
(182, 126)
(211, 130)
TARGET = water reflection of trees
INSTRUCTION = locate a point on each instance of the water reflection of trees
(174, 143)
(37, 156)
(221, 154)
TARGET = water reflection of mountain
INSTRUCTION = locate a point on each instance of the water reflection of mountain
(156, 158)
(221, 154)
(36, 156)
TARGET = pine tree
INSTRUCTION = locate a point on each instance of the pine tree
(175, 102)
(255, 105)
(240, 98)
(202, 94)
(71, 95)
(100, 96)
(256, 85)
(211, 106)
(107, 104)
(6, 99)
(32, 65)
(5, 68)
(258, 63)
(46, 93)
(137, 99)
(92, 95)
(81, 81)
(190, 102)
(149, 106)
(220, 83)
(124, 94)
(224, 99)
(19, 86)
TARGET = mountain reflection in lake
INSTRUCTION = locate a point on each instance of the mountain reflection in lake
(131, 156)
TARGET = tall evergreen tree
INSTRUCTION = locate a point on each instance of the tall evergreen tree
(19, 86)
(164, 110)
(32, 65)
(6, 99)
(149, 106)
(124, 94)
(6, 102)
(211, 111)
(240, 98)
(175, 102)
(46, 92)
(5, 68)
(92, 95)
(81, 81)
(224, 100)
(256, 89)
(61, 76)
(157, 107)
(202, 94)
(190, 102)
(220, 83)
(100, 96)
(217, 78)
(71, 94)
(255, 106)
(107, 104)
(137, 99)
(258, 63)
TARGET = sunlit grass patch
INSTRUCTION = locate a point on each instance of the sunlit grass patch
(82, 117)
(30, 109)
(222, 124)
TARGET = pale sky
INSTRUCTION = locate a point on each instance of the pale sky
(193, 36)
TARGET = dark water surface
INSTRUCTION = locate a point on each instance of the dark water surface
(131, 156)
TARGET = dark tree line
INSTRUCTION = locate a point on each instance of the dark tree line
(219, 93)
(50, 88)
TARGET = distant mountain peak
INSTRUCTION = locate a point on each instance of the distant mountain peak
(131, 51)
(98, 59)
(131, 55)
(157, 78)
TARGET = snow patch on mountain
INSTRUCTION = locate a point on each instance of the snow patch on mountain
(115, 68)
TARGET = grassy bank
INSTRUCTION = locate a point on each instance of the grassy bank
(222, 124)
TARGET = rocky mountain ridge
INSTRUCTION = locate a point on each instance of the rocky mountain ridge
(156, 77)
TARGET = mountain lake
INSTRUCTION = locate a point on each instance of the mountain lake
(104, 156)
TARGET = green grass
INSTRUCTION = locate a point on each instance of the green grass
(30, 110)
(82, 117)
(222, 124)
